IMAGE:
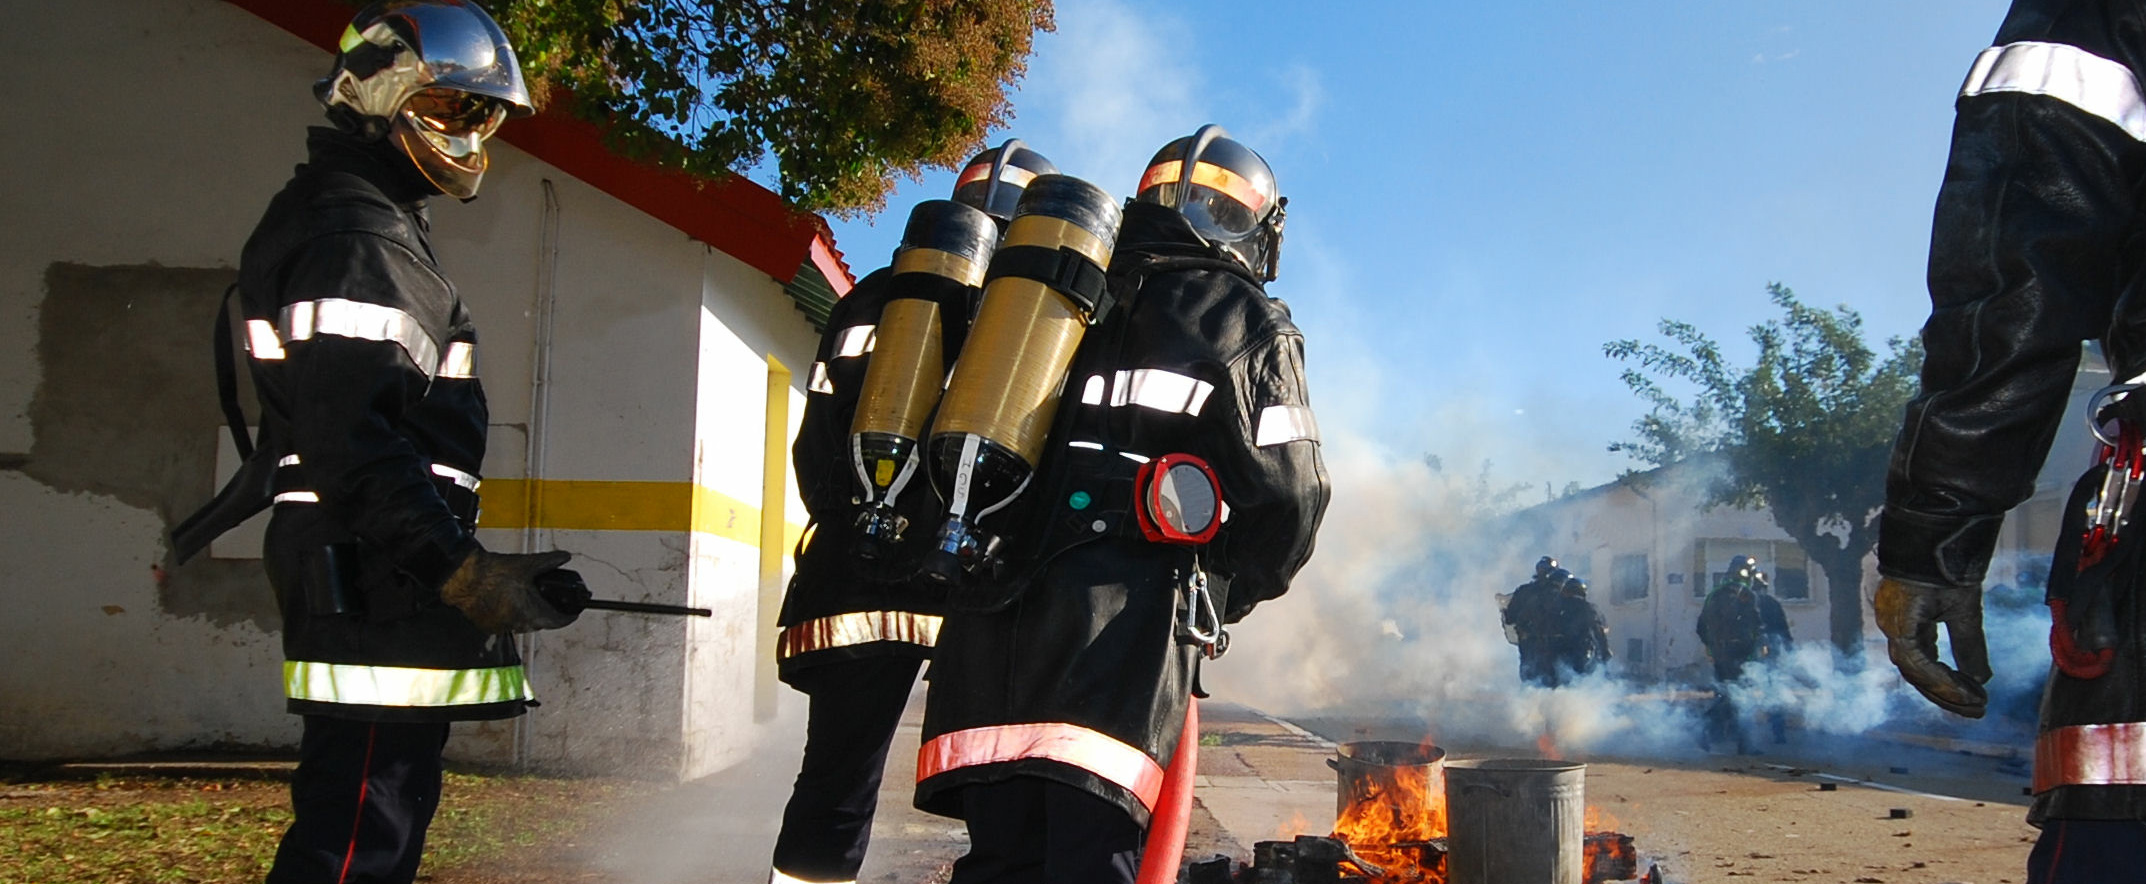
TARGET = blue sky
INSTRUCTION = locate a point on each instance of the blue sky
(1482, 194)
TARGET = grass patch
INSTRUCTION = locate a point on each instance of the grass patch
(154, 830)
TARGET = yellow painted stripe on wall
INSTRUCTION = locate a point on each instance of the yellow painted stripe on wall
(588, 505)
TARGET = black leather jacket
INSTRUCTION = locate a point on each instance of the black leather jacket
(2035, 248)
(1082, 639)
(364, 361)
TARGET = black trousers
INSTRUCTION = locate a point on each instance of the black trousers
(361, 800)
(856, 705)
(2088, 852)
(1027, 830)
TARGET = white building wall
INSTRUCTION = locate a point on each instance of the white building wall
(657, 368)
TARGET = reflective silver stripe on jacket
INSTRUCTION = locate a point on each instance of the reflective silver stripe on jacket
(1279, 424)
(1091, 393)
(289, 460)
(817, 381)
(856, 628)
(778, 877)
(356, 319)
(460, 361)
(296, 497)
(1161, 390)
(2069, 74)
(456, 476)
(261, 340)
(400, 686)
(856, 340)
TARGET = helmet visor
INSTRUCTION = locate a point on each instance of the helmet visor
(443, 132)
(455, 113)
(1221, 204)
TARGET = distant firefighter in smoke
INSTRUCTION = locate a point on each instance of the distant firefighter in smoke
(1732, 631)
(1526, 612)
(1775, 641)
(1579, 637)
(858, 620)
(2033, 249)
(1179, 485)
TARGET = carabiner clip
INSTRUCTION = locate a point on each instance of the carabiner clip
(1213, 639)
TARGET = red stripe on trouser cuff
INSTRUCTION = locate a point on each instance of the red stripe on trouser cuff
(2091, 755)
(365, 780)
(1071, 744)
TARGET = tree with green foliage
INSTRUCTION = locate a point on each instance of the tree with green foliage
(1805, 430)
(845, 95)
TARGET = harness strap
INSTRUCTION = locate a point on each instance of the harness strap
(227, 378)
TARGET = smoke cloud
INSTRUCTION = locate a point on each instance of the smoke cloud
(1395, 616)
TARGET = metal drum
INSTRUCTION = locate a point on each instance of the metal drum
(1389, 792)
(1515, 821)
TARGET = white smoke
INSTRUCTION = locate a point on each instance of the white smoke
(1395, 617)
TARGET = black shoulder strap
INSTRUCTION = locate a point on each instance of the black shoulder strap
(227, 378)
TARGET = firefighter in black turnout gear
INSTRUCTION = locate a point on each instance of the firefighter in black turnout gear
(856, 627)
(1526, 615)
(1062, 679)
(372, 431)
(2034, 249)
(1579, 638)
(1733, 632)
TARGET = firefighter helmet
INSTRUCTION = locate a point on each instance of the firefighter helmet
(993, 180)
(1743, 569)
(1543, 567)
(1226, 190)
(1574, 587)
(437, 77)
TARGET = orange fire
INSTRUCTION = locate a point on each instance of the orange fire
(1399, 813)
(1392, 821)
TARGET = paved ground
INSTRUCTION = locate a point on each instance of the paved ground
(1706, 818)
(1721, 818)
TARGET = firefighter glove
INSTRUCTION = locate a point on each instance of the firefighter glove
(499, 591)
(1909, 613)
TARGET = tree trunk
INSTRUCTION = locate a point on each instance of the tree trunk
(1844, 592)
(1843, 567)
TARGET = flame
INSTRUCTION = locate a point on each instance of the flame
(1546, 746)
(1609, 856)
(1392, 818)
(1297, 825)
(1599, 820)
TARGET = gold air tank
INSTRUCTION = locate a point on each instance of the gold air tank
(938, 267)
(1039, 297)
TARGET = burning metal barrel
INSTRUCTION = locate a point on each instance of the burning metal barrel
(1388, 792)
(1515, 821)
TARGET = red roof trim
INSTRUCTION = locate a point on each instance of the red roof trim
(743, 219)
(829, 260)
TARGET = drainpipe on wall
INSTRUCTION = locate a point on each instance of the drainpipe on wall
(535, 538)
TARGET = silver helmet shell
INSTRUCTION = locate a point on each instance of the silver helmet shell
(394, 50)
(993, 180)
(1226, 190)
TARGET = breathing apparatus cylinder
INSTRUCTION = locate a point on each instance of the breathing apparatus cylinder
(938, 266)
(1044, 288)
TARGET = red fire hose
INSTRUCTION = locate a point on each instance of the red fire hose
(1173, 810)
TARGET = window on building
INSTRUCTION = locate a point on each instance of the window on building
(1629, 578)
(1635, 652)
(1792, 584)
(1784, 563)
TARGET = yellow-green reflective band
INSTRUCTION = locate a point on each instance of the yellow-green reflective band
(398, 686)
(351, 38)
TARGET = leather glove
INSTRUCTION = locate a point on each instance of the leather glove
(499, 593)
(1909, 613)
